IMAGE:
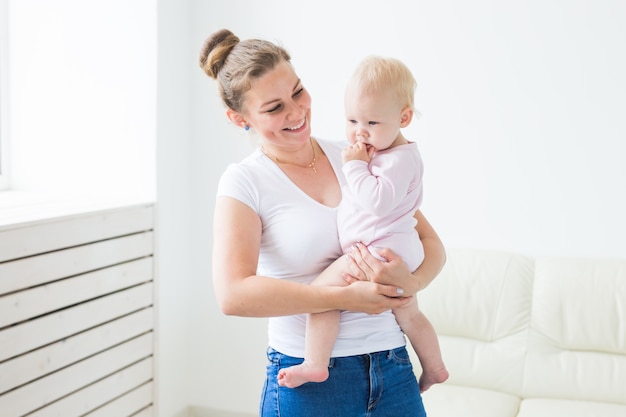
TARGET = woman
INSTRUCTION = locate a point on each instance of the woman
(275, 231)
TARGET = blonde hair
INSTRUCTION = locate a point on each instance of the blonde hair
(235, 64)
(376, 73)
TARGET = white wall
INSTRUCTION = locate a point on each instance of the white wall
(522, 132)
(83, 97)
(175, 373)
(83, 112)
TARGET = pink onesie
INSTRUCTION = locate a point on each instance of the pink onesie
(379, 201)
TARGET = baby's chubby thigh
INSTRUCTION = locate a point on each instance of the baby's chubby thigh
(332, 275)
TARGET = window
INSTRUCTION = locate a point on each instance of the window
(4, 99)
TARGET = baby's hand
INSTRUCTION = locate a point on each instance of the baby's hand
(358, 151)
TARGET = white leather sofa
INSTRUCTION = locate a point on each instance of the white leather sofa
(528, 337)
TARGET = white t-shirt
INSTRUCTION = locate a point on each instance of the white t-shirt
(299, 240)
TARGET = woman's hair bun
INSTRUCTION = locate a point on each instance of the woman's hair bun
(215, 51)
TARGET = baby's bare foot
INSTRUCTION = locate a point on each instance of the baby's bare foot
(430, 378)
(297, 375)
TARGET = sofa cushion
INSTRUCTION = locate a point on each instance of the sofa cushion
(577, 344)
(528, 337)
(551, 408)
(446, 400)
(480, 307)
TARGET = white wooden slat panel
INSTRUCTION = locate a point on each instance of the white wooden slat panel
(34, 302)
(76, 315)
(126, 405)
(39, 393)
(33, 365)
(118, 385)
(35, 333)
(146, 412)
(28, 272)
(21, 240)
(21, 209)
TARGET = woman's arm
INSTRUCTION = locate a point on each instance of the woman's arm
(434, 252)
(365, 266)
(240, 292)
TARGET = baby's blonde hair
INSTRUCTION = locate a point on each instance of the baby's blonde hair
(376, 73)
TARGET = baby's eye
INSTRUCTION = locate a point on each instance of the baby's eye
(372, 123)
(352, 121)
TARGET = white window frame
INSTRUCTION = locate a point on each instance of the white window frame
(4, 96)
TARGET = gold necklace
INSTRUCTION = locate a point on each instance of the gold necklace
(310, 165)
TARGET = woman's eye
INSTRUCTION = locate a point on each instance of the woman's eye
(298, 92)
(274, 109)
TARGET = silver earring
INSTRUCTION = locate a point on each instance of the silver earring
(246, 128)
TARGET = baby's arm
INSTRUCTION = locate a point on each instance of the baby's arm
(383, 185)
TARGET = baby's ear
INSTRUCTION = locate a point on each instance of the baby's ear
(406, 116)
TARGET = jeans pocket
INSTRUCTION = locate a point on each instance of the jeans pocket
(280, 360)
(273, 356)
(400, 356)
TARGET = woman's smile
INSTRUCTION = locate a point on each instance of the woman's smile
(297, 128)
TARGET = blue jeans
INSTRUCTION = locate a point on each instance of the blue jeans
(380, 384)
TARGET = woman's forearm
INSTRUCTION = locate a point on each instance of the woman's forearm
(258, 296)
(434, 253)
(434, 260)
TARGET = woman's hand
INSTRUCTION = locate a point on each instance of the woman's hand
(394, 272)
(372, 298)
(365, 266)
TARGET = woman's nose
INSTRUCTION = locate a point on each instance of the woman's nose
(296, 111)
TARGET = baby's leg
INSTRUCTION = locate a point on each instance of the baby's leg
(423, 338)
(321, 332)
(332, 274)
